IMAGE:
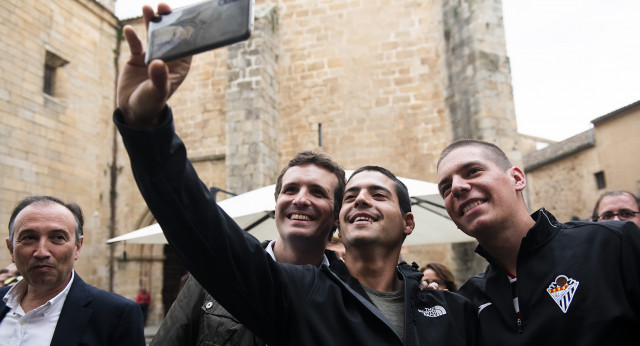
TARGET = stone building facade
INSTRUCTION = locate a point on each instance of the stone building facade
(387, 83)
(568, 177)
(57, 80)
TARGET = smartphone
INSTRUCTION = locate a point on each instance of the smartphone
(198, 28)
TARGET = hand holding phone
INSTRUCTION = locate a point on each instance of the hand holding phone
(143, 89)
(198, 28)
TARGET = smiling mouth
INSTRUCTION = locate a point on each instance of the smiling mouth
(471, 206)
(299, 217)
(362, 218)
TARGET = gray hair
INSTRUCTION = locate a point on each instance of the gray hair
(46, 200)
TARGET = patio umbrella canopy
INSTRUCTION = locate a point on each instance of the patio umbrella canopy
(254, 212)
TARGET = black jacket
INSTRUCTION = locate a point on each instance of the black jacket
(283, 304)
(599, 263)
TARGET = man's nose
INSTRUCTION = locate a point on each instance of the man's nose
(301, 198)
(362, 199)
(459, 185)
(42, 249)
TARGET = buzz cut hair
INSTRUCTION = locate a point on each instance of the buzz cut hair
(492, 151)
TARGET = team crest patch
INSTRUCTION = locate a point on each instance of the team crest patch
(562, 291)
(435, 311)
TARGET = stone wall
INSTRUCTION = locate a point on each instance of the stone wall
(565, 187)
(616, 141)
(372, 75)
(59, 144)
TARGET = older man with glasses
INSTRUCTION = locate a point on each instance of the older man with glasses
(617, 205)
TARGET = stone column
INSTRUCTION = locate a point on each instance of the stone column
(252, 106)
(479, 91)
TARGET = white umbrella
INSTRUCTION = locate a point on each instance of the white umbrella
(148, 235)
(254, 211)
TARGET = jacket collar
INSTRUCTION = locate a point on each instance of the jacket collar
(74, 316)
(543, 230)
(405, 272)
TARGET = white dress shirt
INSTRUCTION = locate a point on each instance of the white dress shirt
(35, 327)
(269, 250)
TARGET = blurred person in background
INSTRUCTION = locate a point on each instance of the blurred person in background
(440, 274)
(335, 244)
(144, 301)
(617, 205)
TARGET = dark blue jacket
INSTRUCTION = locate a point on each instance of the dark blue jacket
(93, 317)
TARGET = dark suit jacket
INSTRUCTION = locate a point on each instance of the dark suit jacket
(91, 316)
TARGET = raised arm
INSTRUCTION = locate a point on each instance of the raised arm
(143, 90)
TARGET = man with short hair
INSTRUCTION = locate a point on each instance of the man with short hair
(52, 305)
(547, 283)
(308, 197)
(368, 299)
(617, 205)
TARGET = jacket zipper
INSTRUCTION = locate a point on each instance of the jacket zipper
(362, 300)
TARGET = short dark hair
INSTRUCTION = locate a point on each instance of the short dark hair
(444, 274)
(494, 153)
(323, 160)
(46, 200)
(596, 208)
(401, 189)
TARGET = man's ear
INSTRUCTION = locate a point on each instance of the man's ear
(78, 247)
(520, 182)
(410, 223)
(10, 247)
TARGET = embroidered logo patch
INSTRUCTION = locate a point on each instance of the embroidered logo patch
(433, 312)
(562, 291)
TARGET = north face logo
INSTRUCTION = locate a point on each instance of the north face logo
(435, 311)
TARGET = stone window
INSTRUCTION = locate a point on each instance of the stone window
(52, 65)
(600, 182)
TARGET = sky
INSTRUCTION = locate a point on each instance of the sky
(571, 60)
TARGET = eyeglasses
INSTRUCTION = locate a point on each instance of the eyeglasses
(624, 214)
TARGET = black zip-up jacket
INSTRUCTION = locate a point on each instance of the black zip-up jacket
(577, 284)
(281, 303)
